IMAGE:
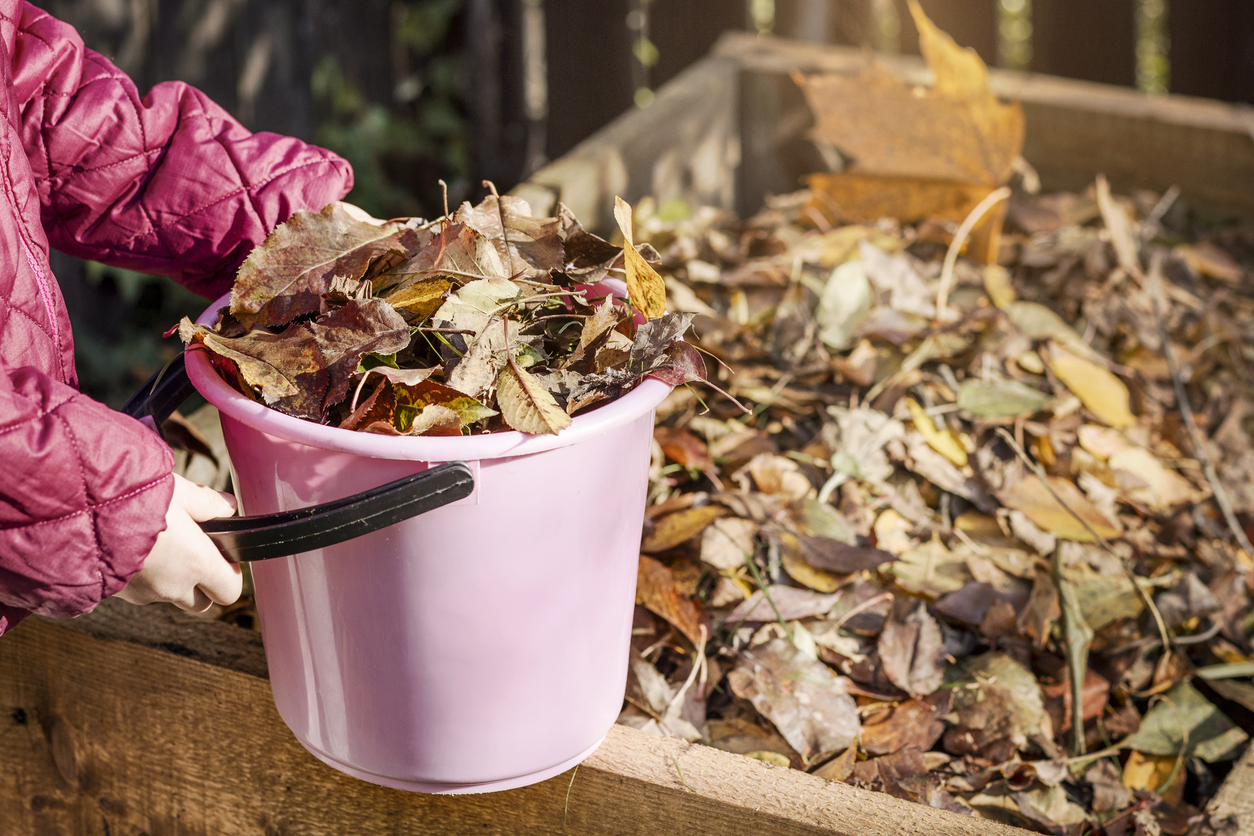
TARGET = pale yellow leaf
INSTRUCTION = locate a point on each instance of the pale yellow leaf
(1036, 502)
(526, 405)
(942, 441)
(1101, 392)
(645, 288)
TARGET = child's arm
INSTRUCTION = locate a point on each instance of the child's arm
(168, 183)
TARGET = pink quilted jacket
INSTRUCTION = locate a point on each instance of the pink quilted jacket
(169, 184)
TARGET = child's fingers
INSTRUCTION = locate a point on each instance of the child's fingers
(202, 503)
(223, 582)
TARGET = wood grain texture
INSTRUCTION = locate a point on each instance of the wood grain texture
(103, 737)
(1236, 797)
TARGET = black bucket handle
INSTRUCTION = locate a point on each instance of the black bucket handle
(266, 536)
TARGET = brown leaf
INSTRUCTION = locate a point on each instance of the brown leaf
(842, 558)
(684, 448)
(417, 300)
(526, 405)
(956, 131)
(863, 198)
(597, 331)
(305, 369)
(588, 256)
(791, 602)
(456, 251)
(912, 649)
(534, 244)
(656, 590)
(917, 723)
(1039, 505)
(802, 697)
(286, 276)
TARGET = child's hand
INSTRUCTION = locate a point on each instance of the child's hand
(185, 568)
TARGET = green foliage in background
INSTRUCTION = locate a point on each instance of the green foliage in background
(401, 149)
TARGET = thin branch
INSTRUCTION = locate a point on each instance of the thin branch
(960, 237)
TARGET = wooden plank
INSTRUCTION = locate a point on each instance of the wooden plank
(1093, 41)
(1212, 48)
(1075, 129)
(1235, 799)
(104, 737)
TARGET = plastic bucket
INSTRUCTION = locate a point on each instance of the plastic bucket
(478, 647)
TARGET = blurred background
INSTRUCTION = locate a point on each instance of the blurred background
(414, 91)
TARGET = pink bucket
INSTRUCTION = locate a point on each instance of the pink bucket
(477, 647)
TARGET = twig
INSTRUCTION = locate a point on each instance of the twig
(1195, 436)
(757, 577)
(1163, 632)
(566, 808)
(960, 237)
(500, 211)
(682, 780)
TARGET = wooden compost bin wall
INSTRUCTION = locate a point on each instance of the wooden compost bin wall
(137, 721)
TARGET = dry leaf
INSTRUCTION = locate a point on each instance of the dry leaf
(942, 441)
(1036, 502)
(802, 697)
(931, 570)
(912, 650)
(728, 542)
(645, 288)
(526, 405)
(1100, 391)
(673, 529)
(918, 723)
(656, 590)
(286, 276)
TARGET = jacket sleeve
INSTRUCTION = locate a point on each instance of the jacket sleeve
(168, 183)
(83, 493)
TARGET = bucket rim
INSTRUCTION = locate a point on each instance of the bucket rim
(639, 401)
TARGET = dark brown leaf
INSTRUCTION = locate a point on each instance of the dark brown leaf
(286, 276)
(835, 556)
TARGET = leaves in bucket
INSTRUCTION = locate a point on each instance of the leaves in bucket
(286, 276)
(491, 307)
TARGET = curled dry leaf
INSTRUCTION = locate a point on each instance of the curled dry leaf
(286, 276)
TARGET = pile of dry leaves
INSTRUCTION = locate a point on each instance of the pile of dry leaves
(983, 542)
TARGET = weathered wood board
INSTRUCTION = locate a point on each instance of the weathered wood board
(136, 721)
